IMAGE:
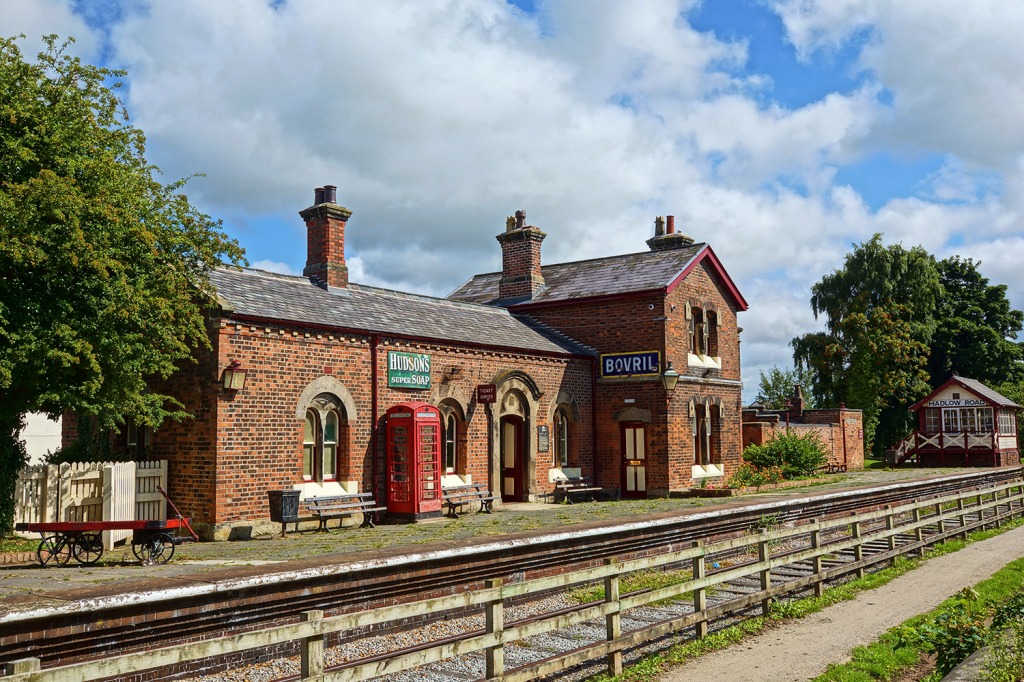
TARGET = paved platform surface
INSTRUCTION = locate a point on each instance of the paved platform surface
(216, 561)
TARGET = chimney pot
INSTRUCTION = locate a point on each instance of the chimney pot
(671, 227)
(330, 194)
(659, 226)
(318, 196)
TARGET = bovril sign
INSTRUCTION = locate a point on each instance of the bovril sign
(641, 363)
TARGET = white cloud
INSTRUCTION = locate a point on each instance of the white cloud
(438, 118)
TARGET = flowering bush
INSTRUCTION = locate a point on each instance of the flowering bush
(748, 475)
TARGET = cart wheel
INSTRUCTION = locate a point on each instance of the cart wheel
(88, 548)
(54, 550)
(137, 550)
(157, 549)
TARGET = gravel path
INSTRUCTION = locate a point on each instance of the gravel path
(803, 649)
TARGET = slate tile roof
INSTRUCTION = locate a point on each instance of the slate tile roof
(289, 299)
(985, 392)
(634, 272)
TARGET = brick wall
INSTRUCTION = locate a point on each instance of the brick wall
(840, 431)
(243, 443)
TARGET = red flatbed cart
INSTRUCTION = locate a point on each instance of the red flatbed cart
(153, 540)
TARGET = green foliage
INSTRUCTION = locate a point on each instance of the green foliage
(776, 387)
(1004, 661)
(1012, 610)
(795, 454)
(1015, 392)
(12, 458)
(977, 328)
(957, 632)
(103, 269)
(880, 317)
(747, 475)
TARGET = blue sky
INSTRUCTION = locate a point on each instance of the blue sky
(780, 131)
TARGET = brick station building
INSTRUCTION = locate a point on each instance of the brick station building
(539, 372)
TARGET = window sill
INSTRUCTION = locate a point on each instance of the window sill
(705, 361)
(707, 471)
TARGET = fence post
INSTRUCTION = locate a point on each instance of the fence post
(981, 512)
(998, 507)
(918, 532)
(613, 621)
(700, 595)
(819, 586)
(22, 665)
(962, 518)
(312, 647)
(858, 548)
(940, 523)
(763, 554)
(890, 524)
(495, 625)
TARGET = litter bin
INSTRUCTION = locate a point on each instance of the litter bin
(284, 507)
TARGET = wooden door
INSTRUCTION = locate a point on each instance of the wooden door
(634, 460)
(511, 459)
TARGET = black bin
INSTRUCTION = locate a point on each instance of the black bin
(284, 507)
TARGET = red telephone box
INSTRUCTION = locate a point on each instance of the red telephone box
(414, 461)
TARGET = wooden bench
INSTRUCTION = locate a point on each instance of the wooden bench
(576, 488)
(343, 506)
(832, 468)
(459, 496)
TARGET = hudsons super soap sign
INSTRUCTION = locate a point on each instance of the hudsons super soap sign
(408, 370)
(642, 363)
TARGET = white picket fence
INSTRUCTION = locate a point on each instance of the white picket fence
(92, 491)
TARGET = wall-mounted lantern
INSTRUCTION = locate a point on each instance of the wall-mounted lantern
(234, 376)
(669, 379)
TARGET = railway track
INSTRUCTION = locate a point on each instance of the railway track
(90, 629)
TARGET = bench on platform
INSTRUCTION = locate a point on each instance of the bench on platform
(832, 468)
(572, 489)
(344, 506)
(460, 496)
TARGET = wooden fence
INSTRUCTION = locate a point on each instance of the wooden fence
(892, 531)
(92, 491)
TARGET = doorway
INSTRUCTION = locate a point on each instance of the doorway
(511, 458)
(634, 459)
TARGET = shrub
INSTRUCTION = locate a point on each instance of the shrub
(796, 454)
(749, 476)
(957, 632)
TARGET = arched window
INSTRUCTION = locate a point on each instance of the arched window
(322, 441)
(561, 453)
(451, 436)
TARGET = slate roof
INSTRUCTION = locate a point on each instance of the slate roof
(288, 299)
(985, 392)
(609, 276)
(974, 386)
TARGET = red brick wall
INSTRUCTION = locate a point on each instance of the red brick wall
(242, 444)
(831, 425)
(657, 322)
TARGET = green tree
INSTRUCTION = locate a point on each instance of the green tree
(976, 331)
(103, 269)
(879, 320)
(775, 388)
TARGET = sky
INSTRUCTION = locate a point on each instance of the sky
(782, 132)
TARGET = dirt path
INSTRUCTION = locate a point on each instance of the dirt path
(803, 649)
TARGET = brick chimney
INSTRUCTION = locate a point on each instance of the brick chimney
(520, 258)
(325, 239)
(665, 235)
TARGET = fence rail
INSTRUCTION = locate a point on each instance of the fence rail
(92, 491)
(867, 538)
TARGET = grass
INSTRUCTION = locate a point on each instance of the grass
(883, 660)
(18, 545)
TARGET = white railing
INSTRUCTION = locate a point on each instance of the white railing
(91, 491)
